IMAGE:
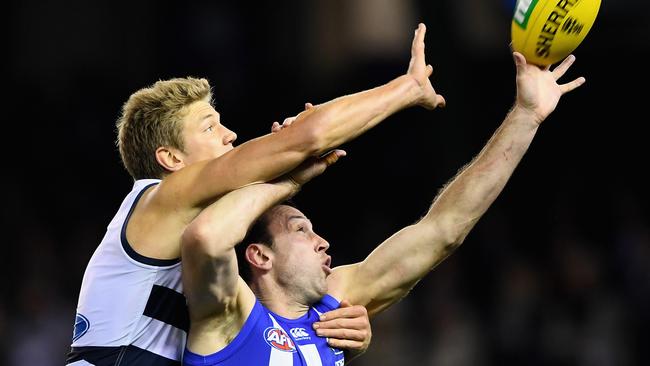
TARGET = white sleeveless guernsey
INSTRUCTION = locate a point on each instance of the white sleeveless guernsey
(131, 310)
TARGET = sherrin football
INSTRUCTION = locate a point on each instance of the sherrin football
(547, 31)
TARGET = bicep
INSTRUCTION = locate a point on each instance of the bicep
(391, 270)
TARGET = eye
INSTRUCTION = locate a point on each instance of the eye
(210, 128)
(301, 229)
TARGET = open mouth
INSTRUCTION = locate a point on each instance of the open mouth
(327, 265)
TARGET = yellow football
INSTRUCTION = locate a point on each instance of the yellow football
(547, 31)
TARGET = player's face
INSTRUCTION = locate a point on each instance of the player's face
(204, 135)
(300, 261)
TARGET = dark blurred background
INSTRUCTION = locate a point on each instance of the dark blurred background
(557, 272)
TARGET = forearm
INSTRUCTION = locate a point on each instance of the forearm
(466, 198)
(314, 132)
(344, 118)
(403, 259)
(223, 224)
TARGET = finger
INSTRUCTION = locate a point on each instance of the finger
(429, 70)
(275, 127)
(288, 121)
(308, 106)
(344, 312)
(347, 320)
(351, 334)
(333, 156)
(565, 88)
(345, 344)
(415, 40)
(356, 323)
(563, 67)
(417, 49)
(422, 30)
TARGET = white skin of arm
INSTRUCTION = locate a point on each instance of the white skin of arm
(394, 267)
(167, 209)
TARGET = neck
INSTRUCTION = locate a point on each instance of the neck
(278, 299)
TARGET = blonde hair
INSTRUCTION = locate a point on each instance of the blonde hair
(151, 118)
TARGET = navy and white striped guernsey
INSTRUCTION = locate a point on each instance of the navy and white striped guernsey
(131, 310)
(267, 339)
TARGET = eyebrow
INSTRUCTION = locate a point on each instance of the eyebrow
(209, 115)
(295, 217)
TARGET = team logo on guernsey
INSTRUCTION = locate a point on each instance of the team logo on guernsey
(81, 326)
(279, 339)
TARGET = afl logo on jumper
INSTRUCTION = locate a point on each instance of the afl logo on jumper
(81, 326)
(279, 339)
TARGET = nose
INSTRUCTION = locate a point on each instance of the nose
(322, 244)
(229, 137)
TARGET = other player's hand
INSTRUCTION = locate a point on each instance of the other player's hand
(347, 327)
(314, 167)
(421, 71)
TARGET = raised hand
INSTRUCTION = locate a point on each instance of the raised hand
(421, 71)
(537, 88)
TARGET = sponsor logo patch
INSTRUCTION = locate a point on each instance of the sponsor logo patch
(299, 334)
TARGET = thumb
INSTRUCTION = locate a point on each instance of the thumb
(520, 60)
(333, 156)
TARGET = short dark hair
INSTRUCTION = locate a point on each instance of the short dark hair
(258, 233)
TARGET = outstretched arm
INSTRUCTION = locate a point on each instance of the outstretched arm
(314, 131)
(168, 208)
(393, 268)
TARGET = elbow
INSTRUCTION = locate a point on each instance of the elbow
(456, 234)
(194, 238)
(451, 241)
(452, 231)
(209, 240)
(452, 245)
(447, 243)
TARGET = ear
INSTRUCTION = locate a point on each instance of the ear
(169, 158)
(259, 256)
